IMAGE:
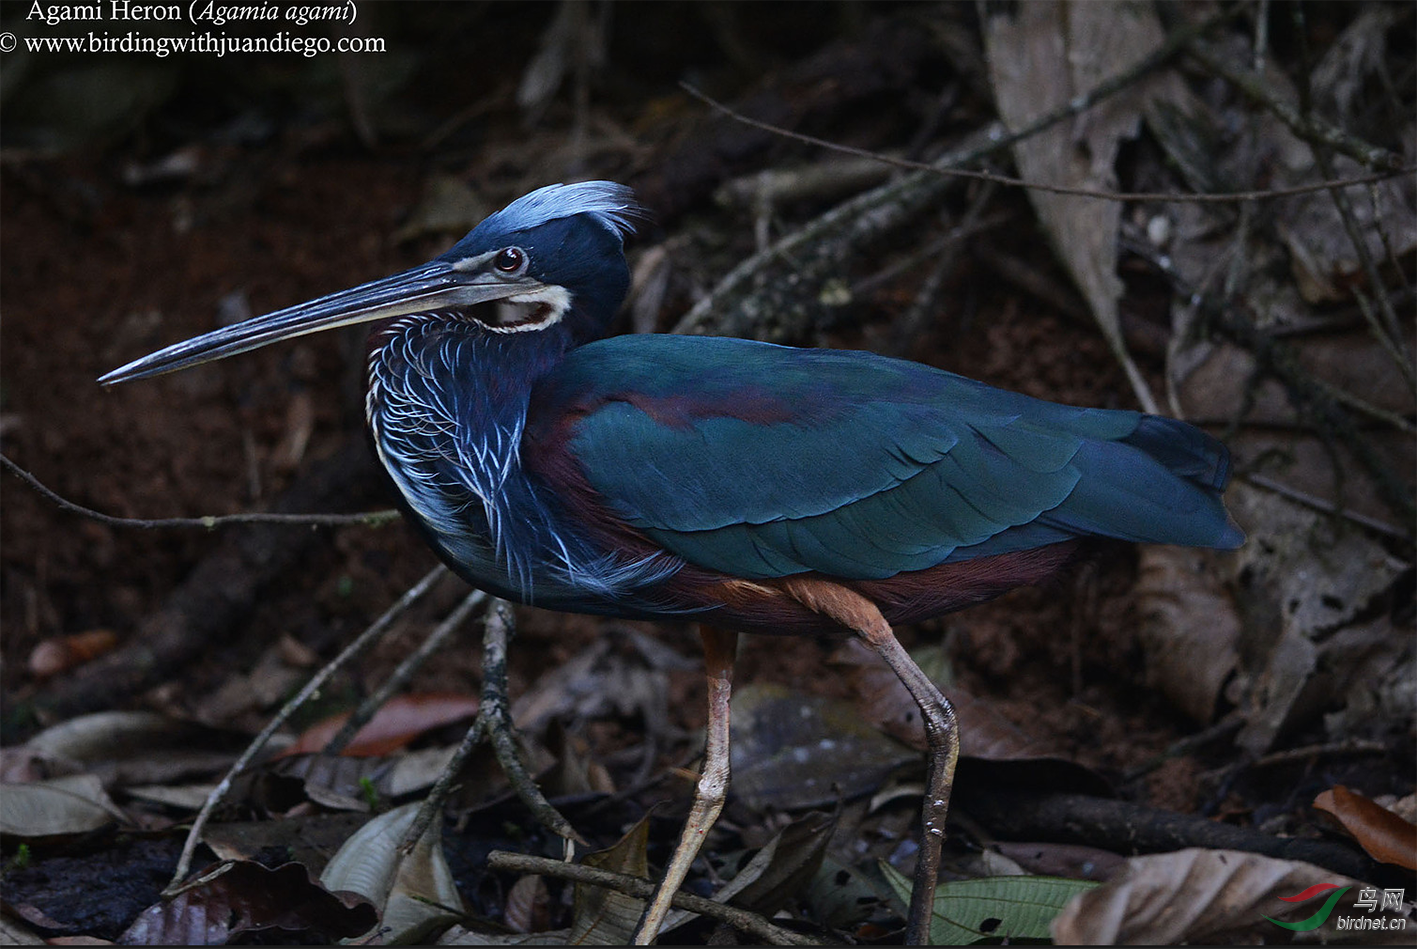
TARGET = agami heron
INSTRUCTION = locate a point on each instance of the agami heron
(748, 486)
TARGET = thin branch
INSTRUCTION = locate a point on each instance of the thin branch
(501, 627)
(1311, 398)
(494, 722)
(364, 641)
(1326, 507)
(1357, 746)
(747, 922)
(1000, 141)
(432, 804)
(1308, 127)
(368, 518)
(400, 676)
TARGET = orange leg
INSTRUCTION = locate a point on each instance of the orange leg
(720, 648)
(861, 616)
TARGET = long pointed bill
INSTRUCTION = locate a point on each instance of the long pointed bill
(433, 286)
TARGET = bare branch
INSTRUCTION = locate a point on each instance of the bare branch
(494, 722)
(364, 641)
(999, 141)
(368, 518)
(749, 923)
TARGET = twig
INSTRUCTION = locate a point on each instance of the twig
(433, 803)
(1312, 401)
(1308, 127)
(1334, 749)
(1129, 828)
(741, 919)
(1189, 745)
(369, 518)
(494, 722)
(861, 219)
(919, 313)
(364, 640)
(1390, 336)
(1327, 507)
(501, 627)
(998, 140)
(400, 676)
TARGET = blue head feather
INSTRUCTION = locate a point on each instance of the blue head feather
(611, 205)
(574, 236)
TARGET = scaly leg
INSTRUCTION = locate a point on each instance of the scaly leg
(720, 649)
(860, 615)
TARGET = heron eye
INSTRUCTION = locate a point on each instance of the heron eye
(510, 259)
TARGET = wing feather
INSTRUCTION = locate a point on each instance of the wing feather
(766, 461)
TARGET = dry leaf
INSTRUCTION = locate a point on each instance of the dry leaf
(793, 751)
(1190, 627)
(624, 673)
(61, 653)
(1383, 834)
(414, 893)
(13, 934)
(461, 936)
(527, 909)
(1305, 580)
(1196, 896)
(236, 897)
(1040, 56)
(783, 868)
(605, 917)
(398, 722)
(60, 806)
(104, 736)
(1075, 861)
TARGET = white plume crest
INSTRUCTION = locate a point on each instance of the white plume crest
(612, 204)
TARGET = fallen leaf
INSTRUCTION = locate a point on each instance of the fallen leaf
(104, 736)
(1197, 896)
(415, 893)
(1384, 835)
(309, 840)
(794, 751)
(23, 765)
(1041, 55)
(841, 897)
(1074, 861)
(1007, 908)
(396, 724)
(527, 908)
(622, 673)
(606, 917)
(61, 653)
(13, 934)
(885, 703)
(1189, 629)
(240, 896)
(778, 871)
(1305, 581)
(462, 936)
(785, 867)
(75, 804)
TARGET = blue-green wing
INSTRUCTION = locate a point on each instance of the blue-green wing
(765, 461)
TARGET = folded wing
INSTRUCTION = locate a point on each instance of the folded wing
(765, 461)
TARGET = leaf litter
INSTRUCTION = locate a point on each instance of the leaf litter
(1211, 637)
